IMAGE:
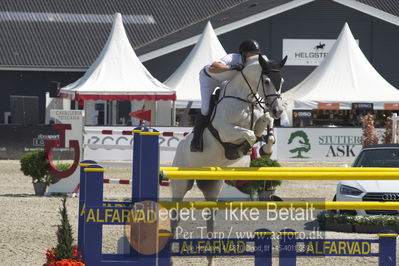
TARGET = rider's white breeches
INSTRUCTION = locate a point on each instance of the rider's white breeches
(207, 85)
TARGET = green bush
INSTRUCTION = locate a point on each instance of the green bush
(378, 220)
(35, 164)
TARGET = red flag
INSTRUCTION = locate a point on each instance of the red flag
(142, 115)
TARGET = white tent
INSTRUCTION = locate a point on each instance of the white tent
(185, 79)
(345, 76)
(117, 74)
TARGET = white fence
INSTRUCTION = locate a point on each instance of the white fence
(293, 144)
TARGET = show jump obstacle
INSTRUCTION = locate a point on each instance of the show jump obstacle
(94, 213)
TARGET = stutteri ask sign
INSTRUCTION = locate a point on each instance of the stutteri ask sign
(318, 144)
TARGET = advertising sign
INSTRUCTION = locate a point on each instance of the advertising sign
(16, 140)
(318, 144)
(391, 106)
(301, 118)
(102, 148)
(362, 106)
(95, 144)
(328, 106)
(69, 124)
(306, 52)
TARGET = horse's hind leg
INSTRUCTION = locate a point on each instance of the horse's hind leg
(211, 190)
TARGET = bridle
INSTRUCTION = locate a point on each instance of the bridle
(258, 101)
(276, 95)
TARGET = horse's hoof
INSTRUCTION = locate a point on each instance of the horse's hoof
(264, 154)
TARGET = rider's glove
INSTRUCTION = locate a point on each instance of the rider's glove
(237, 67)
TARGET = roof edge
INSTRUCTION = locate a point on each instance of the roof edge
(226, 28)
(45, 69)
(369, 10)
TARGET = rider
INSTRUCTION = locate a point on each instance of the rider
(212, 76)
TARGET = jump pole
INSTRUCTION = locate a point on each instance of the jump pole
(280, 169)
(281, 175)
(262, 205)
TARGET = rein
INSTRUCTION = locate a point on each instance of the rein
(257, 101)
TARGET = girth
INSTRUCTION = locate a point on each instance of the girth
(230, 149)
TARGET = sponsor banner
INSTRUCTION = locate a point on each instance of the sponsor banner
(328, 106)
(391, 106)
(168, 145)
(362, 106)
(16, 140)
(292, 144)
(319, 144)
(336, 247)
(302, 118)
(306, 52)
(69, 123)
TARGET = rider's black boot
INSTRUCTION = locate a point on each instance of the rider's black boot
(201, 122)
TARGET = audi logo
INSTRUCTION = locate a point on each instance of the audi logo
(390, 197)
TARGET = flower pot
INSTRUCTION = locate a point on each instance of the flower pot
(39, 188)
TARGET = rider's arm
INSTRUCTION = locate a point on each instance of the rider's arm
(218, 67)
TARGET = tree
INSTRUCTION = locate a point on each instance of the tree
(303, 141)
(369, 137)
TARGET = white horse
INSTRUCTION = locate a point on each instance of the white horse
(247, 105)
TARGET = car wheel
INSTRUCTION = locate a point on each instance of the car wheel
(276, 198)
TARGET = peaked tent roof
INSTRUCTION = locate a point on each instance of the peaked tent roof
(345, 76)
(117, 74)
(185, 79)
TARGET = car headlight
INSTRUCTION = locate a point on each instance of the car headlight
(347, 190)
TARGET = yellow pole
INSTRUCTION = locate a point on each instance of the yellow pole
(253, 175)
(283, 169)
(318, 205)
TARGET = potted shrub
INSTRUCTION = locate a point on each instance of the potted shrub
(259, 189)
(376, 223)
(34, 164)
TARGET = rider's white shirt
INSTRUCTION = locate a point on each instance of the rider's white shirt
(229, 59)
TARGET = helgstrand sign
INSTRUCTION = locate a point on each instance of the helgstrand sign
(306, 52)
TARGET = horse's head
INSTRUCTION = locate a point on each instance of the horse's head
(272, 82)
(264, 78)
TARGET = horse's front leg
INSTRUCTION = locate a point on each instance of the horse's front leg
(262, 123)
(265, 122)
(232, 133)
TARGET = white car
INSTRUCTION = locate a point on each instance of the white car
(383, 155)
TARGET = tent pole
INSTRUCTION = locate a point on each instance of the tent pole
(106, 113)
(156, 113)
(183, 119)
(173, 113)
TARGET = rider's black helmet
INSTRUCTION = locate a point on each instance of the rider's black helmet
(251, 46)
